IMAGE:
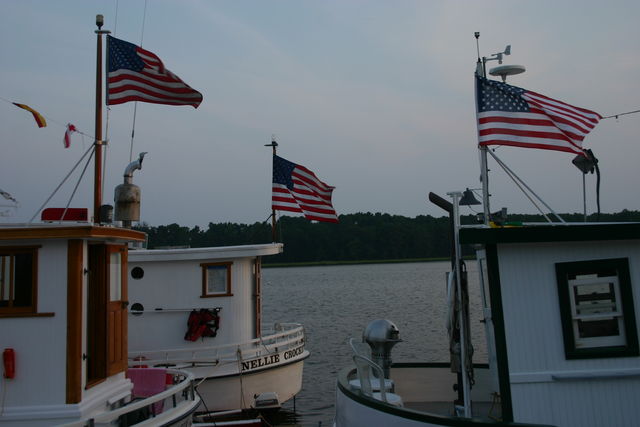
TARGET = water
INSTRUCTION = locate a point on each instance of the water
(335, 303)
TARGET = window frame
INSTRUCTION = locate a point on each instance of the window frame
(605, 346)
(32, 308)
(205, 279)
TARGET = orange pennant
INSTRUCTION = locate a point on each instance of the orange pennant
(37, 116)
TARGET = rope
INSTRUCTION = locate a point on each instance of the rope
(90, 150)
(239, 359)
(621, 114)
(75, 189)
(50, 120)
(135, 104)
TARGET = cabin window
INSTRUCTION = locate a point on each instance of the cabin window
(18, 280)
(137, 273)
(216, 279)
(596, 307)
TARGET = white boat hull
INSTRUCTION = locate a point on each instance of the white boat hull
(239, 391)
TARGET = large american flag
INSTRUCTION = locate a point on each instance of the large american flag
(135, 74)
(509, 115)
(297, 189)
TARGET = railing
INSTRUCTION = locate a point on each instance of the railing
(287, 336)
(182, 396)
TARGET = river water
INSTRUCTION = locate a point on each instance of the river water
(335, 303)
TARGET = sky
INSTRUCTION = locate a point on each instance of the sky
(376, 97)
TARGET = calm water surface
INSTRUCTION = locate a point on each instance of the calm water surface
(335, 303)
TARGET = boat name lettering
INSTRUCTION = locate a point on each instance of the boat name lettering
(258, 363)
(289, 354)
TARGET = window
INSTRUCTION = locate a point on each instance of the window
(216, 279)
(596, 308)
(137, 273)
(18, 280)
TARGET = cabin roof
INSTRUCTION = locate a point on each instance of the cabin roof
(68, 231)
(551, 233)
(219, 252)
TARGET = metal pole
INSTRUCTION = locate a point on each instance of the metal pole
(584, 196)
(481, 70)
(273, 145)
(97, 181)
(484, 170)
(462, 322)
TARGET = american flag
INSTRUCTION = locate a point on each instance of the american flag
(297, 189)
(135, 74)
(509, 115)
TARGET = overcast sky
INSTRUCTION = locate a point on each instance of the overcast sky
(376, 97)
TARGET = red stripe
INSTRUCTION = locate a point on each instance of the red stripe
(563, 118)
(149, 94)
(114, 96)
(317, 184)
(122, 100)
(531, 145)
(528, 133)
(138, 82)
(583, 110)
(144, 76)
(516, 120)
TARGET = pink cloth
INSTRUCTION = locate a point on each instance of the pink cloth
(148, 382)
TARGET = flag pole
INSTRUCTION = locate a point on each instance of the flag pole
(273, 145)
(97, 186)
(481, 70)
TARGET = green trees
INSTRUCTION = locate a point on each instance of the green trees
(357, 237)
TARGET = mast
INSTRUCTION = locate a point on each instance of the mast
(273, 145)
(481, 70)
(97, 181)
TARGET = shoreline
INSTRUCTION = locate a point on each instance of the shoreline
(333, 263)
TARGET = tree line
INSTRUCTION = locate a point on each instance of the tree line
(356, 237)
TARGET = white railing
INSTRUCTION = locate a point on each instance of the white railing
(182, 394)
(286, 336)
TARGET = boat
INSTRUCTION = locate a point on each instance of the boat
(559, 312)
(558, 303)
(200, 310)
(63, 290)
(63, 312)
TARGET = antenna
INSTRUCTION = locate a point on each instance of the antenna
(507, 70)
(503, 70)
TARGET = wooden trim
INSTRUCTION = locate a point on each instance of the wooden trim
(621, 267)
(257, 266)
(117, 315)
(75, 264)
(205, 266)
(216, 295)
(32, 308)
(97, 296)
(81, 232)
(5, 315)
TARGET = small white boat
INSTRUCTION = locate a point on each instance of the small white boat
(199, 310)
(63, 334)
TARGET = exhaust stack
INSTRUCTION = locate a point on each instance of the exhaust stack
(127, 195)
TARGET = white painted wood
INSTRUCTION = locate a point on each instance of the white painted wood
(546, 387)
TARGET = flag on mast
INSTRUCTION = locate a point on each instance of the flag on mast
(37, 116)
(67, 135)
(297, 189)
(135, 74)
(509, 115)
